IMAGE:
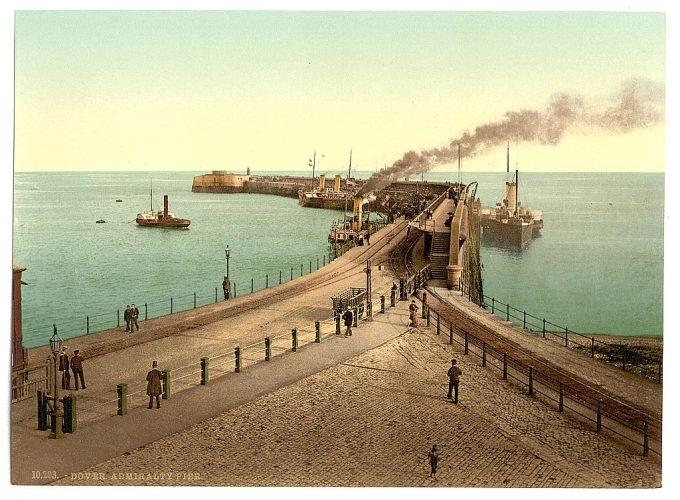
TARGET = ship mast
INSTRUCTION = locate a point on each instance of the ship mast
(152, 195)
(349, 172)
(460, 179)
(516, 192)
(507, 168)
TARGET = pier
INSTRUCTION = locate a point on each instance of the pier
(289, 402)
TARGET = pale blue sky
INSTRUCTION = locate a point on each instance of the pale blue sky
(178, 90)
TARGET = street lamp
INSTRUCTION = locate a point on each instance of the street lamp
(226, 284)
(57, 415)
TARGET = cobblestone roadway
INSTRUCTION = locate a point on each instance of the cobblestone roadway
(371, 422)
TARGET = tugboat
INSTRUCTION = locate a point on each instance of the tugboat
(150, 218)
(509, 224)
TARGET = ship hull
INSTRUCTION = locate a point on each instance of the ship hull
(508, 234)
(174, 223)
(328, 203)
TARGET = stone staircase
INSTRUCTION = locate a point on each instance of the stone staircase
(439, 257)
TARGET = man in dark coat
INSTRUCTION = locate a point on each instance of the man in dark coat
(434, 460)
(154, 385)
(134, 315)
(348, 317)
(77, 367)
(65, 369)
(127, 316)
(454, 377)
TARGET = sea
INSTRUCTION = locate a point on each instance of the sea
(596, 268)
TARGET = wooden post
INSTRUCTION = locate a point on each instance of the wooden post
(424, 305)
(205, 378)
(121, 389)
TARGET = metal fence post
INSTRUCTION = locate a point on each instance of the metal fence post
(543, 327)
(291, 273)
(237, 359)
(215, 295)
(170, 305)
(280, 277)
(450, 333)
(483, 353)
(166, 384)
(252, 285)
(205, 378)
(525, 320)
(294, 336)
(146, 311)
(266, 281)
(505, 366)
(438, 324)
(566, 337)
(531, 381)
(466, 342)
(561, 403)
(507, 312)
(310, 266)
(317, 327)
(118, 311)
(194, 300)
(88, 325)
(598, 426)
(493, 305)
(121, 389)
(645, 443)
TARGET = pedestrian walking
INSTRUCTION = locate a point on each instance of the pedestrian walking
(454, 378)
(434, 459)
(413, 314)
(348, 317)
(65, 369)
(154, 385)
(134, 315)
(77, 367)
(226, 288)
(127, 316)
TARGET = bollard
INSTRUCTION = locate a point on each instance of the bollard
(531, 381)
(356, 317)
(204, 371)
(505, 366)
(645, 442)
(237, 359)
(598, 425)
(382, 303)
(267, 349)
(317, 328)
(483, 353)
(70, 415)
(121, 389)
(393, 298)
(42, 411)
(88, 324)
(561, 403)
(450, 333)
(293, 333)
(424, 306)
(166, 384)
(466, 343)
(337, 325)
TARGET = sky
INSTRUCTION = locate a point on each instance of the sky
(228, 90)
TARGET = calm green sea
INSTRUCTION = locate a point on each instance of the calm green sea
(598, 266)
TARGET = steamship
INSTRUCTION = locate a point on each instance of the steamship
(333, 198)
(151, 218)
(509, 224)
(352, 226)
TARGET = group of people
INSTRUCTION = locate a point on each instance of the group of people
(67, 365)
(131, 315)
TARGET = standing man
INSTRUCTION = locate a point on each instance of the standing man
(434, 459)
(154, 385)
(226, 288)
(134, 314)
(413, 313)
(64, 368)
(348, 317)
(454, 378)
(127, 317)
(77, 367)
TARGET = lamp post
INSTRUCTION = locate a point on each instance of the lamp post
(57, 414)
(226, 284)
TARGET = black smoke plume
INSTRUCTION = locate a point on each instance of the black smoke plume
(637, 104)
